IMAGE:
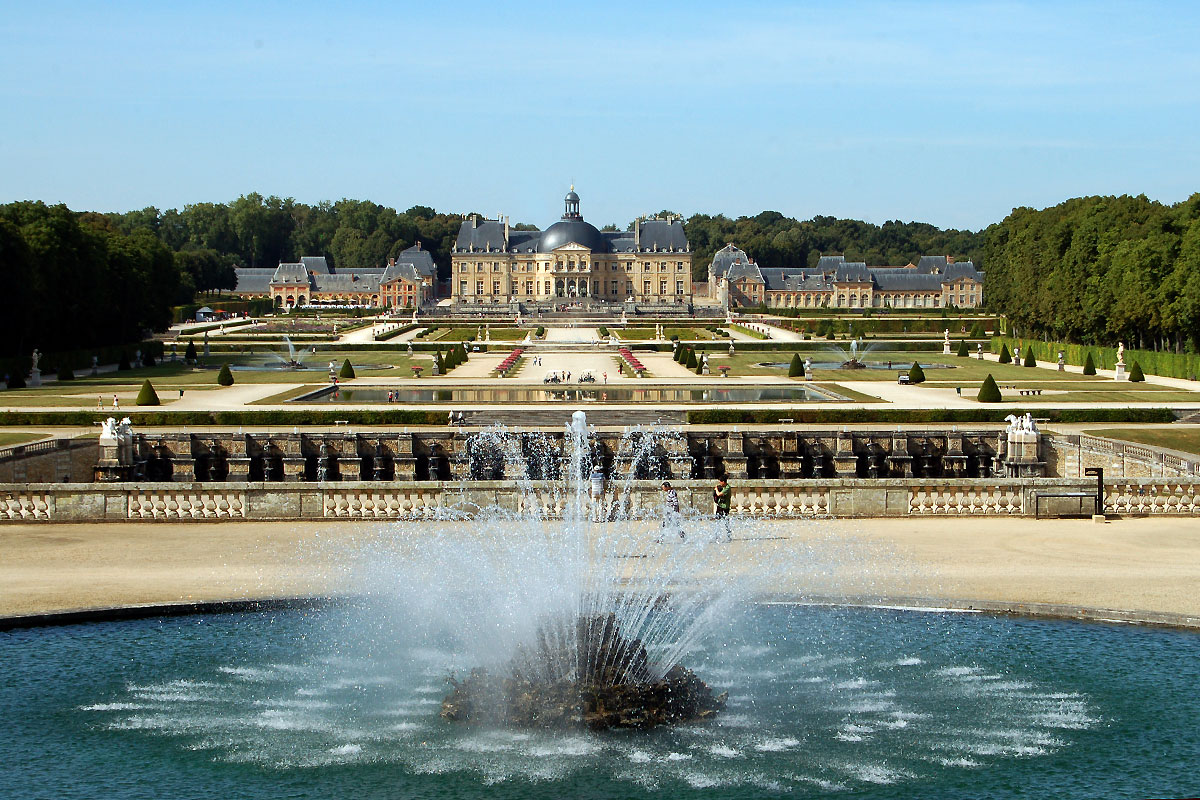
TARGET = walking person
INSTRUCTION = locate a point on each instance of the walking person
(99, 402)
(116, 403)
(722, 500)
(671, 519)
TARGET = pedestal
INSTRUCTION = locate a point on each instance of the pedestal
(35, 378)
(946, 349)
(1121, 374)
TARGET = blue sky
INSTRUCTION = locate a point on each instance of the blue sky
(950, 113)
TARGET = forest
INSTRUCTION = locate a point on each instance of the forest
(1091, 270)
(1098, 270)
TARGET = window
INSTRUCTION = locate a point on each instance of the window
(613, 288)
(495, 287)
(528, 287)
(678, 266)
(478, 287)
(662, 287)
(646, 287)
(462, 287)
(547, 289)
(678, 287)
(628, 288)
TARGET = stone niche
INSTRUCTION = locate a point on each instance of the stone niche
(755, 453)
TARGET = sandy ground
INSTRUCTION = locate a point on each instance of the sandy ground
(1138, 565)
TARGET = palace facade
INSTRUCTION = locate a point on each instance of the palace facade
(651, 263)
(408, 281)
(933, 282)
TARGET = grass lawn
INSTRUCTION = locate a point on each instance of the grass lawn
(1172, 437)
(849, 394)
(647, 334)
(14, 438)
(465, 334)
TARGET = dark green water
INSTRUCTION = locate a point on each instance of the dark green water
(823, 702)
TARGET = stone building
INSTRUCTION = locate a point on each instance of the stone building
(572, 260)
(408, 281)
(933, 282)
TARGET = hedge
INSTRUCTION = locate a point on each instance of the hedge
(1168, 365)
(383, 337)
(806, 416)
(384, 416)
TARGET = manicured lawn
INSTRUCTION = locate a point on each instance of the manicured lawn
(1169, 436)
(849, 394)
(647, 334)
(13, 438)
(465, 334)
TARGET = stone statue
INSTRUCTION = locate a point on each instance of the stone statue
(95, 366)
(979, 351)
(35, 358)
(946, 336)
(731, 351)
(410, 350)
(1121, 353)
(137, 357)
(854, 350)
(108, 429)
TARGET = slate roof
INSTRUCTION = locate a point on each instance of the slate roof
(290, 273)
(400, 271)
(927, 275)
(420, 259)
(359, 280)
(254, 281)
(315, 264)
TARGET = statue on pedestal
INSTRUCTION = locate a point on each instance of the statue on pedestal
(35, 374)
(1121, 354)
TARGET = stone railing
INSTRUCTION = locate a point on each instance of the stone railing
(426, 500)
(1079, 451)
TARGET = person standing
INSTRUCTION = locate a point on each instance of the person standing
(671, 519)
(597, 492)
(116, 403)
(722, 501)
(99, 402)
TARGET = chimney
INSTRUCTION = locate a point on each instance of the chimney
(637, 235)
(391, 262)
(506, 233)
(474, 221)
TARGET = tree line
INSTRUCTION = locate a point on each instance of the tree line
(1098, 270)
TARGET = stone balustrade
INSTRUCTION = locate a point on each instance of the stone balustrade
(434, 500)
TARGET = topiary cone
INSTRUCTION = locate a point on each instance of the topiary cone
(347, 370)
(962, 348)
(796, 368)
(1005, 356)
(989, 392)
(916, 374)
(1135, 373)
(225, 376)
(1089, 365)
(1030, 361)
(147, 396)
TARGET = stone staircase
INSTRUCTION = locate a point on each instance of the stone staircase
(558, 417)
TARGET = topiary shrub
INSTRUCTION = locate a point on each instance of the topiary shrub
(225, 376)
(1135, 373)
(796, 368)
(1005, 356)
(989, 392)
(1030, 361)
(347, 370)
(189, 355)
(977, 331)
(700, 368)
(540, 332)
(65, 373)
(463, 354)
(147, 396)
(962, 349)
(916, 374)
(691, 358)
(603, 331)
(442, 367)
(1089, 365)
(123, 364)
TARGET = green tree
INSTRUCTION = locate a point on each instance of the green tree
(225, 376)
(691, 358)
(1089, 365)
(1005, 356)
(1135, 373)
(442, 367)
(147, 396)
(962, 349)
(796, 368)
(1030, 361)
(189, 354)
(916, 374)
(347, 370)
(989, 392)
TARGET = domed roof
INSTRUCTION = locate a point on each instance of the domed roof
(572, 230)
(571, 196)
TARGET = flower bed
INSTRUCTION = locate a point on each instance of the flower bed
(630, 359)
(510, 361)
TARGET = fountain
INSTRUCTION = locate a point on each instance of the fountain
(565, 635)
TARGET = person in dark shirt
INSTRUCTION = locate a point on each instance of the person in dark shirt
(722, 501)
